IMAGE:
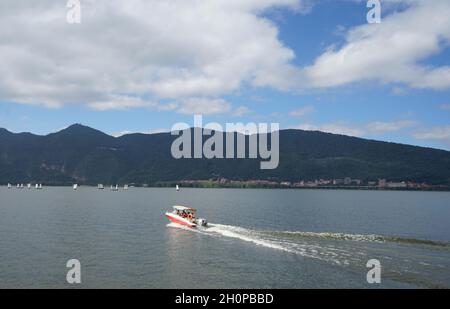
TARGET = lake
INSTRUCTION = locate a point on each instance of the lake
(255, 239)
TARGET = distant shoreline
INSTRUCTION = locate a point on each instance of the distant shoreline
(349, 188)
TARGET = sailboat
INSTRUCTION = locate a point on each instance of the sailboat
(18, 186)
(9, 186)
(100, 186)
(177, 188)
(39, 187)
(75, 186)
(21, 186)
(36, 186)
(116, 188)
(125, 187)
(29, 186)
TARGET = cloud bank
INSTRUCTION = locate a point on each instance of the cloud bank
(186, 55)
(136, 53)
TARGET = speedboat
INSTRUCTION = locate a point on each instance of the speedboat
(185, 216)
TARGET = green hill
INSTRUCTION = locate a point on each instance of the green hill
(87, 156)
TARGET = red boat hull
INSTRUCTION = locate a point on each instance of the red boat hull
(179, 220)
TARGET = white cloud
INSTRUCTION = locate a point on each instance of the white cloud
(240, 111)
(390, 52)
(372, 128)
(204, 106)
(126, 102)
(335, 128)
(154, 131)
(436, 133)
(122, 133)
(137, 54)
(302, 111)
(380, 127)
(174, 49)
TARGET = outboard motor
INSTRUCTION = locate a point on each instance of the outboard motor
(202, 222)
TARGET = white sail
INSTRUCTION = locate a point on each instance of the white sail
(178, 188)
(75, 186)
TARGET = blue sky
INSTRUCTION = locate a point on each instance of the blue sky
(295, 63)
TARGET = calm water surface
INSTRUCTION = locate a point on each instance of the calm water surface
(256, 239)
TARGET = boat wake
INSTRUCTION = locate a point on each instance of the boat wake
(359, 237)
(337, 248)
(406, 260)
(329, 252)
(269, 240)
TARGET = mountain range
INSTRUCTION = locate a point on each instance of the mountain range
(88, 156)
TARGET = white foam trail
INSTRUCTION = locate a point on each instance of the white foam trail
(343, 250)
(244, 234)
(337, 236)
(305, 249)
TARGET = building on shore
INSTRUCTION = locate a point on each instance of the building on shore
(395, 185)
